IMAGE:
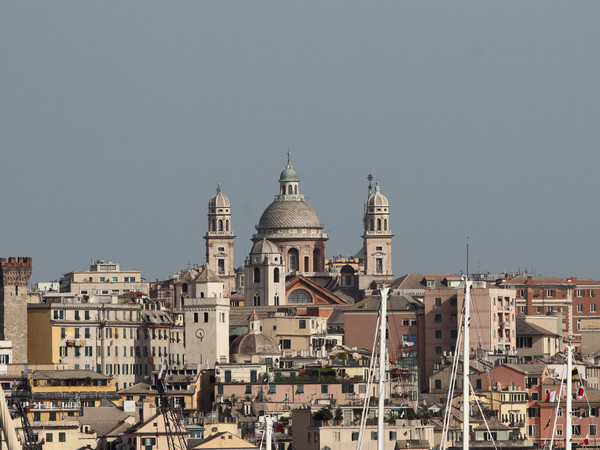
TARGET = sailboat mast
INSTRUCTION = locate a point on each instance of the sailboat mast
(569, 400)
(382, 364)
(466, 365)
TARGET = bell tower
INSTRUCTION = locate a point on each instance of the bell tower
(219, 240)
(377, 237)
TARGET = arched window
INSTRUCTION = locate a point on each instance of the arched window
(293, 260)
(371, 225)
(290, 190)
(214, 225)
(227, 225)
(316, 260)
(256, 275)
(378, 224)
(220, 225)
(276, 275)
(184, 288)
(300, 296)
(276, 300)
(256, 299)
(282, 190)
(385, 224)
(201, 294)
(295, 189)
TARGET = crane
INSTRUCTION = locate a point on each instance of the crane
(174, 432)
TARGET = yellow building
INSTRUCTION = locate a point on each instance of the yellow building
(59, 394)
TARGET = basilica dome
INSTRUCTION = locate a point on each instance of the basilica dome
(289, 214)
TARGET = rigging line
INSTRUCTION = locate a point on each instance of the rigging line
(482, 415)
(367, 400)
(448, 413)
(450, 396)
(557, 408)
(369, 384)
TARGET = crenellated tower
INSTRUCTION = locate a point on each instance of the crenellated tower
(219, 240)
(14, 277)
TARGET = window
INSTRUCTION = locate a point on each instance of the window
(373, 435)
(453, 334)
(114, 279)
(256, 275)
(453, 318)
(593, 307)
(355, 435)
(478, 383)
(276, 275)
(76, 333)
(300, 296)
(576, 430)
(49, 437)
(593, 428)
(63, 333)
(221, 266)
(248, 389)
(438, 318)
(579, 293)
(336, 436)
(438, 384)
(62, 437)
(438, 301)
(523, 293)
(523, 309)
(438, 334)
(405, 322)
(272, 389)
(285, 343)
(205, 317)
(300, 389)
(413, 322)
(579, 324)
(76, 314)
(532, 430)
(324, 389)
(102, 279)
(549, 293)
(393, 436)
(579, 307)
(378, 265)
(438, 350)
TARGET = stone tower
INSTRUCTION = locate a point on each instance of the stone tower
(265, 275)
(14, 277)
(219, 240)
(377, 238)
(206, 318)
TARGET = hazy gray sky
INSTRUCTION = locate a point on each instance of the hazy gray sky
(479, 118)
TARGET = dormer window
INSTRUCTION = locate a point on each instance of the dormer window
(430, 283)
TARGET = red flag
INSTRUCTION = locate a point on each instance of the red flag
(580, 392)
(550, 397)
(586, 441)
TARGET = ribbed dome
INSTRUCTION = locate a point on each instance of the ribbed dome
(219, 200)
(262, 247)
(289, 174)
(289, 214)
(377, 199)
(253, 344)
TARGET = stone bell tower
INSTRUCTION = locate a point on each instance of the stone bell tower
(14, 278)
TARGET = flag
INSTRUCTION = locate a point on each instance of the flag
(585, 413)
(551, 397)
(580, 392)
(586, 440)
(402, 414)
(575, 373)
(547, 425)
(405, 433)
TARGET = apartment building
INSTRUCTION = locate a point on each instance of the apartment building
(104, 278)
(127, 340)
